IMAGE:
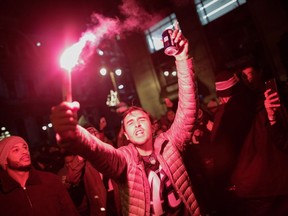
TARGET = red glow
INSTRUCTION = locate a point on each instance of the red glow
(71, 56)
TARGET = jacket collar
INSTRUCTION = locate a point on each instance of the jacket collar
(135, 154)
(8, 184)
(158, 148)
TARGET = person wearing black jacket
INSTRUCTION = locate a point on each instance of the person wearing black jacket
(25, 190)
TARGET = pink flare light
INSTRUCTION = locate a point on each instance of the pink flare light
(71, 56)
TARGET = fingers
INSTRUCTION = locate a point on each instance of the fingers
(271, 103)
(182, 44)
(64, 116)
(271, 96)
(178, 37)
(268, 93)
(176, 25)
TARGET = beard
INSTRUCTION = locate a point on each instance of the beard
(18, 167)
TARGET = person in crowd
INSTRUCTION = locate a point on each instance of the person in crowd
(101, 193)
(232, 116)
(47, 158)
(260, 177)
(26, 191)
(249, 168)
(150, 173)
(199, 163)
(75, 189)
(169, 116)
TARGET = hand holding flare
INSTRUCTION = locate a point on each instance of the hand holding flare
(68, 61)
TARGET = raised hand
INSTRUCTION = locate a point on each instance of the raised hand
(182, 43)
(272, 104)
(64, 119)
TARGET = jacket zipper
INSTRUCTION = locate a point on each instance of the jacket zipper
(30, 203)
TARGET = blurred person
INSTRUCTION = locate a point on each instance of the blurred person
(232, 118)
(26, 191)
(260, 177)
(252, 77)
(101, 193)
(48, 158)
(150, 173)
(168, 118)
(199, 162)
(75, 189)
(249, 167)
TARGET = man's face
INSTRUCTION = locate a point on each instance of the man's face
(248, 74)
(138, 128)
(68, 160)
(252, 77)
(19, 157)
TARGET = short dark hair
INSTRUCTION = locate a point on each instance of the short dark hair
(134, 108)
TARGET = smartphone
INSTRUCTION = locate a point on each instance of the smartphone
(271, 84)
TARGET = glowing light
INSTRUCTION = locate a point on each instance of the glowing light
(44, 128)
(120, 86)
(166, 73)
(71, 56)
(78, 53)
(118, 72)
(38, 44)
(174, 73)
(50, 125)
(100, 52)
(3, 128)
(103, 71)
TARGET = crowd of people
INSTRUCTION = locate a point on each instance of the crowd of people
(224, 158)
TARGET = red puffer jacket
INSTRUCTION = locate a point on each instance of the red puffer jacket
(125, 165)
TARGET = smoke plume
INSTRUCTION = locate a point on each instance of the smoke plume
(134, 18)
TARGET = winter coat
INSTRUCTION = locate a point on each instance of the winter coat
(43, 195)
(95, 190)
(125, 164)
(261, 170)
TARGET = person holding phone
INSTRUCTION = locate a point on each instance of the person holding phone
(259, 180)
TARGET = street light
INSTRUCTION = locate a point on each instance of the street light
(4, 133)
(113, 98)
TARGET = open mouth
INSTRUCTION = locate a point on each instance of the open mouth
(25, 158)
(139, 132)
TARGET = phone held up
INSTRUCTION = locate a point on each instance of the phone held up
(272, 84)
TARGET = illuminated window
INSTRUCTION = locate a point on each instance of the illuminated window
(154, 34)
(209, 10)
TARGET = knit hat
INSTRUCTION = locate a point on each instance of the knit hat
(226, 83)
(5, 146)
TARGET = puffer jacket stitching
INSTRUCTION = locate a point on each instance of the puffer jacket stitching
(135, 193)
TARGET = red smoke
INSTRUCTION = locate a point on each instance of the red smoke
(135, 19)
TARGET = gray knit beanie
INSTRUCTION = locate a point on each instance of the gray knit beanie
(5, 146)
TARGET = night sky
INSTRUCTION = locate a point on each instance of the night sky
(50, 16)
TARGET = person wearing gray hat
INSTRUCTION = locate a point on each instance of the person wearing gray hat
(26, 191)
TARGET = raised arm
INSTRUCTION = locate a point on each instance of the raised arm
(104, 157)
(185, 118)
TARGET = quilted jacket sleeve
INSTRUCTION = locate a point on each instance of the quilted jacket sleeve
(180, 130)
(104, 157)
